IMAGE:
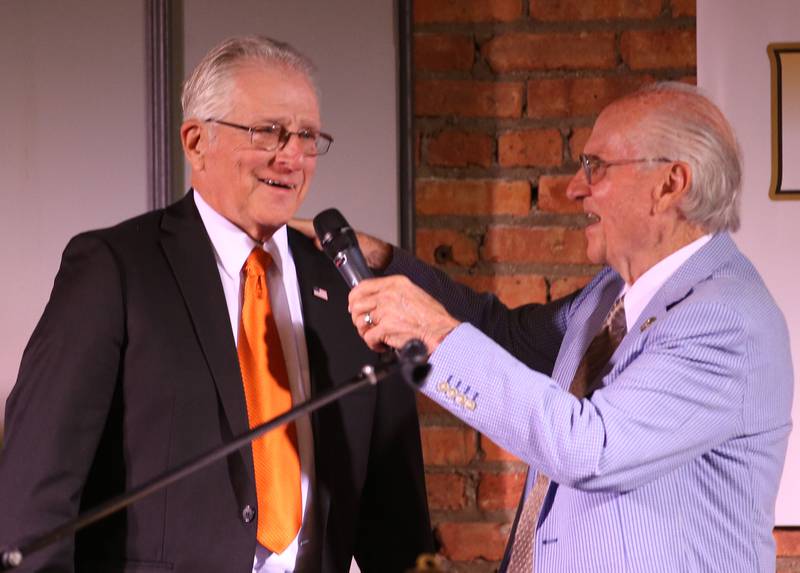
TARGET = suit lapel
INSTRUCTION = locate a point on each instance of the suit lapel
(342, 431)
(190, 255)
(699, 267)
(320, 293)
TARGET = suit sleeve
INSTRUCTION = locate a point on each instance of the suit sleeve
(394, 525)
(677, 398)
(57, 410)
(532, 333)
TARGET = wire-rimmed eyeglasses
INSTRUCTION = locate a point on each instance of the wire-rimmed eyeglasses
(276, 136)
(594, 166)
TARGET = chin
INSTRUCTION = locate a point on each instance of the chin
(595, 254)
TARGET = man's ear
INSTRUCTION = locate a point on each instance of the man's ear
(673, 188)
(194, 138)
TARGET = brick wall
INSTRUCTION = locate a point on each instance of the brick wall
(506, 93)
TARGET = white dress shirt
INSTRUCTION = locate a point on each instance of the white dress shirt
(232, 246)
(640, 293)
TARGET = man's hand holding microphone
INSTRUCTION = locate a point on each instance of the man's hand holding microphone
(386, 311)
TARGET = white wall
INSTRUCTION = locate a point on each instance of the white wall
(734, 69)
(72, 150)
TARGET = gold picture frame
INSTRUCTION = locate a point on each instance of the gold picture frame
(785, 63)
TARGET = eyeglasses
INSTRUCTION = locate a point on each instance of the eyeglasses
(276, 136)
(593, 165)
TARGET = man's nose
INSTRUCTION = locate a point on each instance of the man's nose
(577, 188)
(292, 153)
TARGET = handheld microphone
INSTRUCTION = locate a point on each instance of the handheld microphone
(341, 245)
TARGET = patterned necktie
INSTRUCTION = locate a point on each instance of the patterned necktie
(583, 384)
(266, 388)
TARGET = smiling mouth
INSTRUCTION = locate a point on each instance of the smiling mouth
(276, 183)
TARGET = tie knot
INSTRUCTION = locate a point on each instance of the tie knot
(257, 262)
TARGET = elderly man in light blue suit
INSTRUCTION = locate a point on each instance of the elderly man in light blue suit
(665, 453)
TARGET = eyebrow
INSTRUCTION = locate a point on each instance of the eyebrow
(284, 122)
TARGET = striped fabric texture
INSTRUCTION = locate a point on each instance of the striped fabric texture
(673, 464)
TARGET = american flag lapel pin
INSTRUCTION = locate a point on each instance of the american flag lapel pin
(320, 293)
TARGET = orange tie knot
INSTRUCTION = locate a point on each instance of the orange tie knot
(255, 267)
(257, 262)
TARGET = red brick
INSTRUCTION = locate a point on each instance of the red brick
(498, 491)
(563, 286)
(468, 98)
(427, 406)
(551, 97)
(461, 149)
(554, 10)
(541, 147)
(427, 11)
(439, 52)
(788, 541)
(494, 453)
(646, 49)
(461, 249)
(446, 491)
(787, 565)
(684, 8)
(465, 541)
(553, 195)
(571, 97)
(555, 245)
(577, 141)
(570, 51)
(447, 445)
(473, 197)
(512, 290)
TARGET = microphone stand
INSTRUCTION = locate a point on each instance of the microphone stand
(410, 362)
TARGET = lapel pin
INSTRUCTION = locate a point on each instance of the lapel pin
(321, 293)
(647, 323)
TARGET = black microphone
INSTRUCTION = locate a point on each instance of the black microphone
(341, 245)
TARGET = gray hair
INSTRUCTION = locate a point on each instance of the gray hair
(684, 125)
(206, 93)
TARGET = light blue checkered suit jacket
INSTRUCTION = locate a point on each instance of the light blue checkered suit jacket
(674, 464)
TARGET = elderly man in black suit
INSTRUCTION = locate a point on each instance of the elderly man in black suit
(160, 341)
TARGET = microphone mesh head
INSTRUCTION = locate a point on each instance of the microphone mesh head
(334, 232)
(329, 221)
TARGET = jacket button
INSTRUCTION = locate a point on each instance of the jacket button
(248, 513)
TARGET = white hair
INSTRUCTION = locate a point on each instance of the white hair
(681, 124)
(206, 93)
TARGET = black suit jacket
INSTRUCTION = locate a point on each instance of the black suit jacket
(132, 370)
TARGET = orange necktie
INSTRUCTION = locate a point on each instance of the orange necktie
(267, 393)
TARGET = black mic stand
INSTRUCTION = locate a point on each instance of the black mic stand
(410, 362)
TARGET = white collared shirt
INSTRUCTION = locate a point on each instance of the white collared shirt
(640, 293)
(232, 246)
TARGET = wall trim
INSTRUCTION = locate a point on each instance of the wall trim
(405, 107)
(159, 102)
